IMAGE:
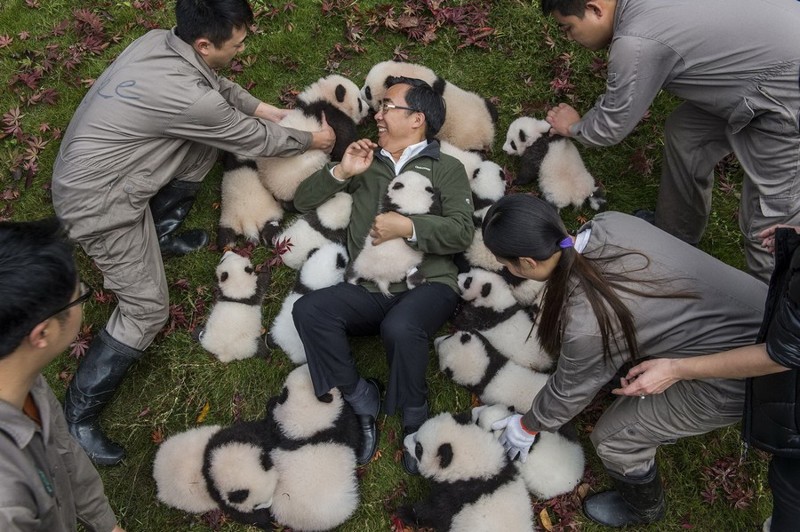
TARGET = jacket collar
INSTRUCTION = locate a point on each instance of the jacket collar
(20, 427)
(432, 150)
(185, 50)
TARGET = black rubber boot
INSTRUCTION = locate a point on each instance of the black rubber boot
(170, 206)
(413, 418)
(634, 501)
(98, 376)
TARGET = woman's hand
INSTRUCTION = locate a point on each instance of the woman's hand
(767, 236)
(650, 377)
(561, 118)
(516, 439)
(325, 138)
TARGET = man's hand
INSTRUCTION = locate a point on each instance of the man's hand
(389, 225)
(325, 138)
(356, 159)
(270, 112)
(561, 118)
(516, 438)
(648, 378)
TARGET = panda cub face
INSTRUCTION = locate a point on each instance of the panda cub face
(239, 477)
(375, 83)
(485, 289)
(340, 92)
(411, 193)
(523, 132)
(449, 449)
(236, 278)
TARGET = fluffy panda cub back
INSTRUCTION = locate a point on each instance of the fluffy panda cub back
(233, 330)
(394, 260)
(473, 485)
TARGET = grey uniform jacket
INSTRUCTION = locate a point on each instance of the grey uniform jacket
(46, 480)
(726, 314)
(721, 55)
(155, 107)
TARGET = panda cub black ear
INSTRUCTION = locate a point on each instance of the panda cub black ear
(465, 338)
(445, 454)
(223, 277)
(397, 186)
(463, 418)
(283, 396)
(486, 290)
(248, 269)
(325, 398)
(340, 92)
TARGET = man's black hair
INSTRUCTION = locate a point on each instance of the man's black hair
(421, 97)
(38, 276)
(212, 19)
(567, 8)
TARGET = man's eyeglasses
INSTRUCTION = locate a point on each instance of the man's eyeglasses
(86, 292)
(386, 106)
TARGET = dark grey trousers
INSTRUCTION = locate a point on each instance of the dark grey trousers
(406, 322)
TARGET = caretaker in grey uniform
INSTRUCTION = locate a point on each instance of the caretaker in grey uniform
(680, 302)
(130, 164)
(735, 63)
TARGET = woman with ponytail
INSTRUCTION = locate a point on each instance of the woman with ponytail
(622, 291)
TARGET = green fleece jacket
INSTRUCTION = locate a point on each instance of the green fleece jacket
(439, 237)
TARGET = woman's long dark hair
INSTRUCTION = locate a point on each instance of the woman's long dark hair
(521, 225)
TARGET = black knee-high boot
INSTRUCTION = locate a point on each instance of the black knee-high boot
(633, 501)
(170, 206)
(98, 376)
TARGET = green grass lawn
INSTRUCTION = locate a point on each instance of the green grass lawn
(51, 50)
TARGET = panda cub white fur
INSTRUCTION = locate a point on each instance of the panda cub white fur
(178, 470)
(555, 463)
(339, 99)
(233, 329)
(493, 311)
(469, 360)
(488, 185)
(316, 455)
(327, 223)
(325, 267)
(555, 161)
(473, 485)
(469, 119)
(246, 208)
(394, 260)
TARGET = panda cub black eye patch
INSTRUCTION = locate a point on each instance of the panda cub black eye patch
(223, 277)
(397, 186)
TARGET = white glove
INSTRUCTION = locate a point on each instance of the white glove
(516, 439)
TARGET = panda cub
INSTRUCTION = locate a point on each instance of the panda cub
(555, 161)
(325, 267)
(233, 329)
(493, 311)
(469, 360)
(555, 463)
(315, 458)
(246, 207)
(327, 223)
(488, 185)
(338, 98)
(473, 485)
(469, 121)
(178, 470)
(394, 260)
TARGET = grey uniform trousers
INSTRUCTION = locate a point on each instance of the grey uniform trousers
(768, 148)
(121, 238)
(629, 432)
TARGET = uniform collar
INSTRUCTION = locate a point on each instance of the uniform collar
(186, 51)
(20, 427)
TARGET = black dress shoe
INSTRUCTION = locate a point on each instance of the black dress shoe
(369, 430)
(410, 463)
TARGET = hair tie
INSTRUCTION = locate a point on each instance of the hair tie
(566, 242)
